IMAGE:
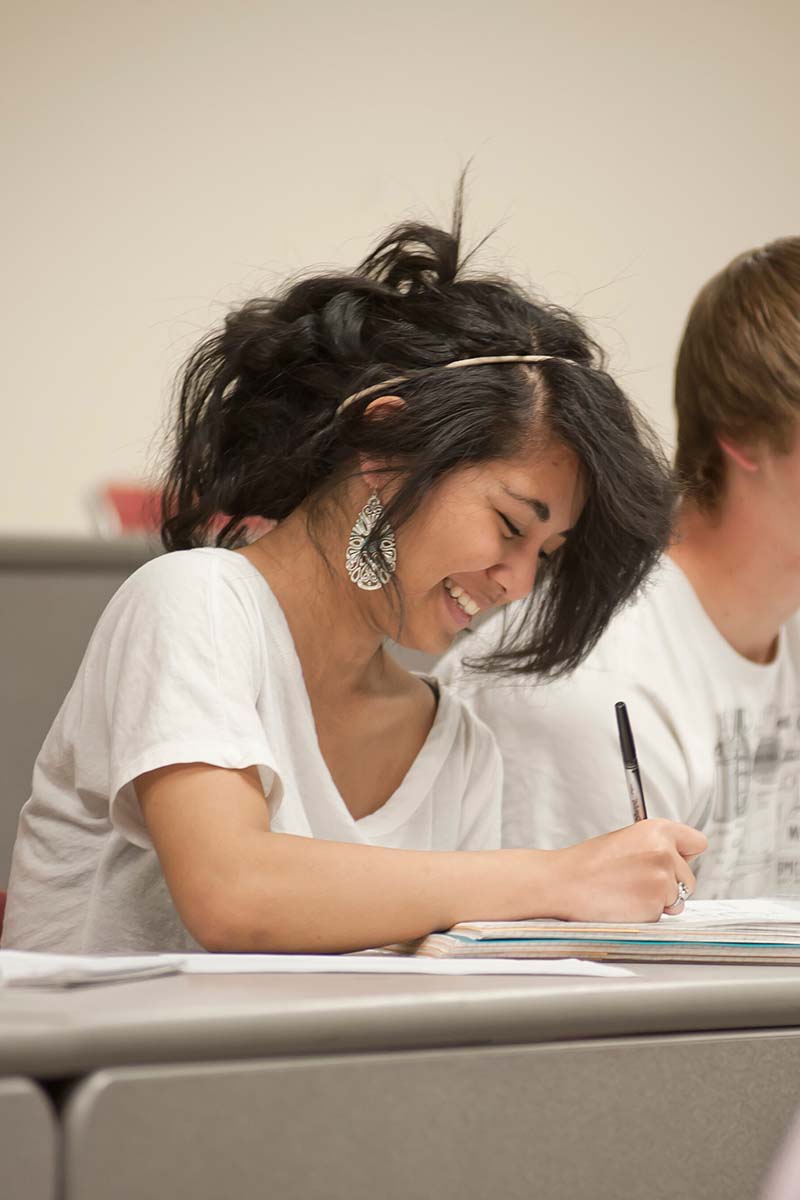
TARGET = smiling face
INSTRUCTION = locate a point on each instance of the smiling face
(476, 540)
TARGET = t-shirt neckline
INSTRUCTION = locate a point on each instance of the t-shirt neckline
(419, 778)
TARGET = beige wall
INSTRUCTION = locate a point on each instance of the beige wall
(166, 157)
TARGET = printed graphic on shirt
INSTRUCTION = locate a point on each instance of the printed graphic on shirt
(752, 820)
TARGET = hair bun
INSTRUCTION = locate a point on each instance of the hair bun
(415, 258)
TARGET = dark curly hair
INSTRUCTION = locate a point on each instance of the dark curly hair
(258, 432)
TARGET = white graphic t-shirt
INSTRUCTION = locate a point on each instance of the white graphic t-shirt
(193, 661)
(718, 739)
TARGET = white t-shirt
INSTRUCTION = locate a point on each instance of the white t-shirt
(717, 736)
(193, 661)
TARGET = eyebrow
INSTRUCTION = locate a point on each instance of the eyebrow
(541, 509)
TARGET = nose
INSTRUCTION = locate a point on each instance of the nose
(516, 573)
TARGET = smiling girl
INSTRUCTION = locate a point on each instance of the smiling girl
(241, 764)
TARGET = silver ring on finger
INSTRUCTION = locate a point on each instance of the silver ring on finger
(683, 894)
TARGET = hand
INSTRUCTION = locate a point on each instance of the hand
(629, 875)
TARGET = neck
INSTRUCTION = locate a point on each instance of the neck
(742, 582)
(339, 646)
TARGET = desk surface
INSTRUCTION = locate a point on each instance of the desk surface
(48, 1034)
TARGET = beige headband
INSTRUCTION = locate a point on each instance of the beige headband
(461, 362)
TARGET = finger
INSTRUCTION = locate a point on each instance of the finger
(689, 842)
(684, 887)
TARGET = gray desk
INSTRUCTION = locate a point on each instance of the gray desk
(677, 1083)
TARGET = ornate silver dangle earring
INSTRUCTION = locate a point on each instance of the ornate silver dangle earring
(371, 569)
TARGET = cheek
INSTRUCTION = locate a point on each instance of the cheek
(469, 547)
(424, 561)
(454, 529)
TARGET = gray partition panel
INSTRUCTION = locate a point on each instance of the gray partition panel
(52, 592)
(697, 1117)
(28, 1142)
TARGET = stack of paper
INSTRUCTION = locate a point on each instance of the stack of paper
(709, 931)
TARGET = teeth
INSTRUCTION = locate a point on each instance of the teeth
(462, 598)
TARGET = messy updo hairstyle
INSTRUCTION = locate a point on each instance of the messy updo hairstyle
(258, 433)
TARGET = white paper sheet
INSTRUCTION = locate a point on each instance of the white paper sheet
(388, 964)
(21, 968)
(32, 969)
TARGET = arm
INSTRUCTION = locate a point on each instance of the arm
(239, 887)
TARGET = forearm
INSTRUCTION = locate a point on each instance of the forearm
(240, 887)
(305, 895)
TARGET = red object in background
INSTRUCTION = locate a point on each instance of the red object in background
(127, 508)
(2, 909)
(135, 509)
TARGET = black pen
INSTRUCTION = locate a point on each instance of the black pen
(630, 762)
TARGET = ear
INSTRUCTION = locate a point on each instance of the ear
(743, 458)
(383, 402)
(373, 472)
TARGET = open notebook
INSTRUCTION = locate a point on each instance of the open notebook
(708, 931)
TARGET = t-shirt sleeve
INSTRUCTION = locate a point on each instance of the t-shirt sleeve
(181, 662)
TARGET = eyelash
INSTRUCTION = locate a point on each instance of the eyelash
(518, 533)
(510, 526)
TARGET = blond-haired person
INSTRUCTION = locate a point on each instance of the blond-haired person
(708, 658)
